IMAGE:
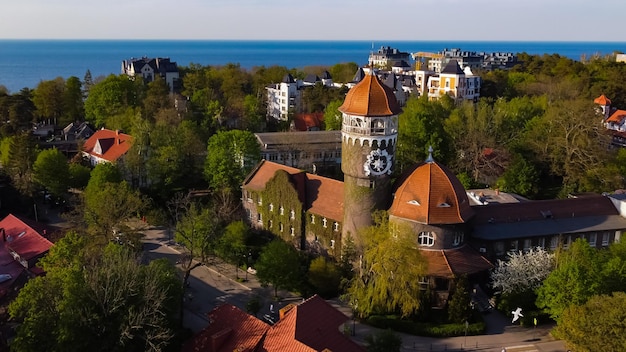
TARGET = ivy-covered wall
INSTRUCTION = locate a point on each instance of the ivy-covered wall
(319, 238)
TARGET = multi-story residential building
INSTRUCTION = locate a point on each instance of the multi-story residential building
(285, 98)
(613, 119)
(459, 84)
(149, 68)
(389, 57)
(106, 146)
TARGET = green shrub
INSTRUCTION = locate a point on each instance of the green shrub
(427, 329)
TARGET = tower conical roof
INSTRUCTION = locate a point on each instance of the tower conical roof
(370, 97)
(432, 195)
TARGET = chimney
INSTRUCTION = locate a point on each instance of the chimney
(117, 137)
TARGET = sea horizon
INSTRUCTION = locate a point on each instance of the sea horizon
(26, 62)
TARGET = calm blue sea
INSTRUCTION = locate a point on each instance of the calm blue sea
(24, 63)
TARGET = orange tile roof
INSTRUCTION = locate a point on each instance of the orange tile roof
(370, 97)
(230, 329)
(304, 122)
(313, 325)
(432, 195)
(319, 195)
(602, 100)
(618, 116)
(451, 263)
(114, 144)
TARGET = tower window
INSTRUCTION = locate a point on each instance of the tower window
(426, 238)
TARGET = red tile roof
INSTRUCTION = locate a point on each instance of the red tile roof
(22, 238)
(451, 263)
(370, 97)
(113, 144)
(324, 196)
(306, 122)
(230, 329)
(313, 325)
(617, 117)
(431, 194)
(602, 100)
(320, 195)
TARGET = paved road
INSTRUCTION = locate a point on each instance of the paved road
(215, 283)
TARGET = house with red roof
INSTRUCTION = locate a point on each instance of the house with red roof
(311, 326)
(613, 119)
(21, 246)
(106, 146)
(230, 329)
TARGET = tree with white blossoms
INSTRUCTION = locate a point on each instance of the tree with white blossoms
(523, 271)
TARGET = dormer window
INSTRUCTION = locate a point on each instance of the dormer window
(444, 205)
(413, 202)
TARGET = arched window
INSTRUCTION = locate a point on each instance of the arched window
(458, 239)
(426, 238)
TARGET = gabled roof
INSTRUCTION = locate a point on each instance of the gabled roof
(288, 78)
(370, 97)
(452, 68)
(359, 75)
(312, 78)
(313, 325)
(108, 145)
(22, 238)
(451, 263)
(431, 194)
(230, 329)
(617, 117)
(326, 75)
(320, 195)
(602, 100)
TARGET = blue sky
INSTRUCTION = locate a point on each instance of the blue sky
(545, 20)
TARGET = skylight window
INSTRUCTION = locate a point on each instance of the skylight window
(413, 202)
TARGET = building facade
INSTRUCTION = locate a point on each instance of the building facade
(150, 68)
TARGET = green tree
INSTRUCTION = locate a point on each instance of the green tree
(51, 171)
(231, 156)
(103, 173)
(521, 177)
(103, 301)
(420, 127)
(232, 244)
(78, 175)
(73, 102)
(109, 207)
(599, 323)
(157, 98)
(575, 279)
(386, 281)
(459, 309)
(279, 265)
(111, 97)
(383, 341)
(325, 276)
(48, 99)
(332, 116)
(18, 155)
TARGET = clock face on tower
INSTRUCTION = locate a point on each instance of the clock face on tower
(378, 163)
